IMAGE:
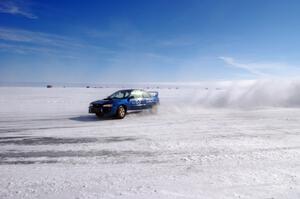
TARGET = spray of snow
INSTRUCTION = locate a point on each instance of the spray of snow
(236, 94)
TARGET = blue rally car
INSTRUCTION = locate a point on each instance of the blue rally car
(122, 101)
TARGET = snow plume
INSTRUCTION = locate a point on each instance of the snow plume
(258, 93)
(242, 94)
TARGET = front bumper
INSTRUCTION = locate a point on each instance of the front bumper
(100, 110)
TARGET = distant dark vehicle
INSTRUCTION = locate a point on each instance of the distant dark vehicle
(123, 101)
(49, 86)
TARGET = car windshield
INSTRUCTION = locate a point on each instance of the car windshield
(119, 95)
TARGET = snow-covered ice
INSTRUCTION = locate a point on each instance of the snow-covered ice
(218, 141)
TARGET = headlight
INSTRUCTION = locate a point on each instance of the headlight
(91, 104)
(107, 105)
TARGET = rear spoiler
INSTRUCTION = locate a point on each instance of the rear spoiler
(153, 93)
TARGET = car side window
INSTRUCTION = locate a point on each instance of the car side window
(126, 94)
(137, 94)
(146, 95)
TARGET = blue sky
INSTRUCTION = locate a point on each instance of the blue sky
(139, 40)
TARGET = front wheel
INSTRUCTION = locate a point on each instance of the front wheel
(99, 115)
(121, 112)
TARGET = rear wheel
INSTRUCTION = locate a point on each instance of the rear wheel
(121, 112)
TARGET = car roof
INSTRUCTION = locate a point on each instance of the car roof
(130, 90)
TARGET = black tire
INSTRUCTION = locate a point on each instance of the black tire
(121, 112)
(99, 115)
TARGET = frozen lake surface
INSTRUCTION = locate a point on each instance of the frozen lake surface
(197, 146)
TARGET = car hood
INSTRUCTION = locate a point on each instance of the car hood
(102, 101)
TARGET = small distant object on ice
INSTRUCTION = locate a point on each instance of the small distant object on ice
(49, 86)
(87, 86)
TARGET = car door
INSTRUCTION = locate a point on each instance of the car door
(136, 100)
